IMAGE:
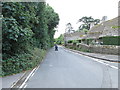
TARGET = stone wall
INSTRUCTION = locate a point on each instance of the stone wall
(103, 49)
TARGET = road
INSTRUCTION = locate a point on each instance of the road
(64, 69)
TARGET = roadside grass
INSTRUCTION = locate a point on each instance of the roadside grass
(22, 62)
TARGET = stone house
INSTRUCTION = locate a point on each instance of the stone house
(106, 29)
(73, 36)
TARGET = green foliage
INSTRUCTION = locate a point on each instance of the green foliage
(22, 62)
(87, 21)
(89, 41)
(25, 25)
(75, 42)
(85, 31)
(14, 36)
(84, 26)
(115, 27)
(45, 29)
(70, 41)
(111, 40)
(69, 27)
(60, 40)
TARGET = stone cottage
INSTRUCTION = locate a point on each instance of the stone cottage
(108, 28)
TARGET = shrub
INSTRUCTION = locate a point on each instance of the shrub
(24, 27)
(75, 42)
(70, 41)
(115, 27)
(22, 62)
(111, 40)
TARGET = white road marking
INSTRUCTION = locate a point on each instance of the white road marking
(25, 86)
(30, 75)
(113, 67)
(35, 69)
(97, 60)
(16, 81)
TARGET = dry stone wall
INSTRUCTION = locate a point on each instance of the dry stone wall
(103, 49)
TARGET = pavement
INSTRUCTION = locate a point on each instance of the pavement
(107, 57)
(57, 67)
(8, 81)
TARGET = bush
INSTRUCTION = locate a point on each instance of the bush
(70, 41)
(115, 27)
(22, 62)
(75, 42)
(89, 41)
(111, 40)
(24, 27)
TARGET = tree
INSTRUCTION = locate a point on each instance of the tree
(27, 24)
(60, 39)
(52, 22)
(87, 22)
(16, 31)
(69, 27)
(27, 31)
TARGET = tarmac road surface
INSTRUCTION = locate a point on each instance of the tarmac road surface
(64, 69)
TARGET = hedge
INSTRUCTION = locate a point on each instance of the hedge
(23, 62)
(108, 40)
(115, 27)
(111, 40)
(70, 41)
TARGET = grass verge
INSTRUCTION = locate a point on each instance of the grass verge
(22, 62)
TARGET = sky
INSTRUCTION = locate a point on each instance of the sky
(72, 10)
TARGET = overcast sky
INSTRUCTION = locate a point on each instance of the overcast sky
(72, 10)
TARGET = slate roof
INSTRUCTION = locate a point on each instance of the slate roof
(107, 28)
(74, 36)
